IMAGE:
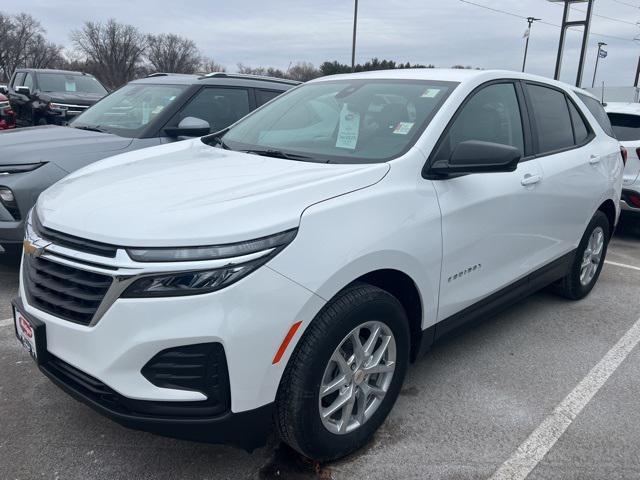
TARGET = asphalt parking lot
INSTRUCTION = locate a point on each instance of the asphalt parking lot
(464, 410)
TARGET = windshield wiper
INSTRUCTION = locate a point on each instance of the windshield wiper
(271, 152)
(90, 128)
(216, 138)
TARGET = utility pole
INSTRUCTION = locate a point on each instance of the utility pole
(595, 70)
(635, 84)
(566, 24)
(353, 46)
(530, 20)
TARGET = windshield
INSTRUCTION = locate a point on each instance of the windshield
(56, 82)
(342, 121)
(127, 111)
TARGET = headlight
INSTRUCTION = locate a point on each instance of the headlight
(194, 282)
(58, 106)
(214, 252)
(25, 167)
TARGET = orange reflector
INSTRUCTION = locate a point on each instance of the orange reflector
(285, 343)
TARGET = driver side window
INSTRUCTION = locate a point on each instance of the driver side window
(28, 81)
(491, 115)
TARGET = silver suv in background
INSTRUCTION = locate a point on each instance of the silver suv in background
(158, 109)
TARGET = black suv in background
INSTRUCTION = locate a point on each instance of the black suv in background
(161, 108)
(41, 97)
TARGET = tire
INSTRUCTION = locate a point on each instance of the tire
(40, 122)
(298, 402)
(572, 285)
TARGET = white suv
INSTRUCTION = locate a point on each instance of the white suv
(625, 119)
(286, 271)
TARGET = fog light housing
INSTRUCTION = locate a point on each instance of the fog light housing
(8, 200)
(6, 195)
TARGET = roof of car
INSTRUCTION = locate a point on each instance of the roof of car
(458, 75)
(51, 70)
(218, 78)
(623, 107)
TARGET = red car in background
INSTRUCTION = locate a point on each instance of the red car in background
(7, 117)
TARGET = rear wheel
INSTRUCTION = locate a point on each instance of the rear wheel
(589, 260)
(345, 374)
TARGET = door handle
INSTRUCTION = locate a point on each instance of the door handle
(594, 159)
(530, 180)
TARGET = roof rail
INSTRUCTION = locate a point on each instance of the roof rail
(249, 76)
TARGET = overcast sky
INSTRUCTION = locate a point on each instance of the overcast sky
(442, 32)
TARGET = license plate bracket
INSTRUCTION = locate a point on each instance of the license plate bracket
(30, 332)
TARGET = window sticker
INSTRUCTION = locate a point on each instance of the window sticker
(69, 86)
(431, 93)
(402, 128)
(348, 129)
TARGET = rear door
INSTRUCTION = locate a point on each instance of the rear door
(627, 128)
(493, 228)
(575, 164)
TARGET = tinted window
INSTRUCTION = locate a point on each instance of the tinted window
(553, 121)
(343, 121)
(491, 115)
(596, 109)
(264, 96)
(28, 81)
(56, 82)
(219, 106)
(580, 128)
(626, 127)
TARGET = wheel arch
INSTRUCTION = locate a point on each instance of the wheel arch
(405, 290)
(609, 209)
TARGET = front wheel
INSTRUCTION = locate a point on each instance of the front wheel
(345, 374)
(589, 260)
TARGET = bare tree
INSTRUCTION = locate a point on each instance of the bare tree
(114, 48)
(208, 65)
(22, 44)
(303, 72)
(172, 53)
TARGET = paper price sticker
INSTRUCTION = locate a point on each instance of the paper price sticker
(348, 129)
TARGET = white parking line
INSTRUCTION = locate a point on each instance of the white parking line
(6, 323)
(534, 448)
(623, 265)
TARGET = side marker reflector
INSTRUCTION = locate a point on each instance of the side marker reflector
(285, 343)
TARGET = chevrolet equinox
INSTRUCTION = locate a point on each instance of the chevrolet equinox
(285, 272)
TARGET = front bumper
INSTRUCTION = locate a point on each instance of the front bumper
(249, 319)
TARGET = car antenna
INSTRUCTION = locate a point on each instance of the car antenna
(603, 102)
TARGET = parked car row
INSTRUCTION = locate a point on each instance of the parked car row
(283, 270)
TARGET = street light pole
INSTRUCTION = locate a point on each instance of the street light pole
(353, 46)
(595, 70)
(526, 47)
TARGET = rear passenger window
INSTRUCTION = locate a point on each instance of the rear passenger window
(264, 96)
(553, 121)
(491, 115)
(597, 110)
(580, 129)
(625, 126)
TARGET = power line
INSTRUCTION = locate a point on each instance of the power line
(505, 12)
(603, 16)
(625, 3)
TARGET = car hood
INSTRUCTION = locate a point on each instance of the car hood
(188, 193)
(76, 98)
(54, 143)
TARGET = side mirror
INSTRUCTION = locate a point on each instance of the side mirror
(23, 90)
(475, 156)
(3, 89)
(189, 127)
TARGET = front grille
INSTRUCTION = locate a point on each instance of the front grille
(66, 292)
(105, 396)
(73, 242)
